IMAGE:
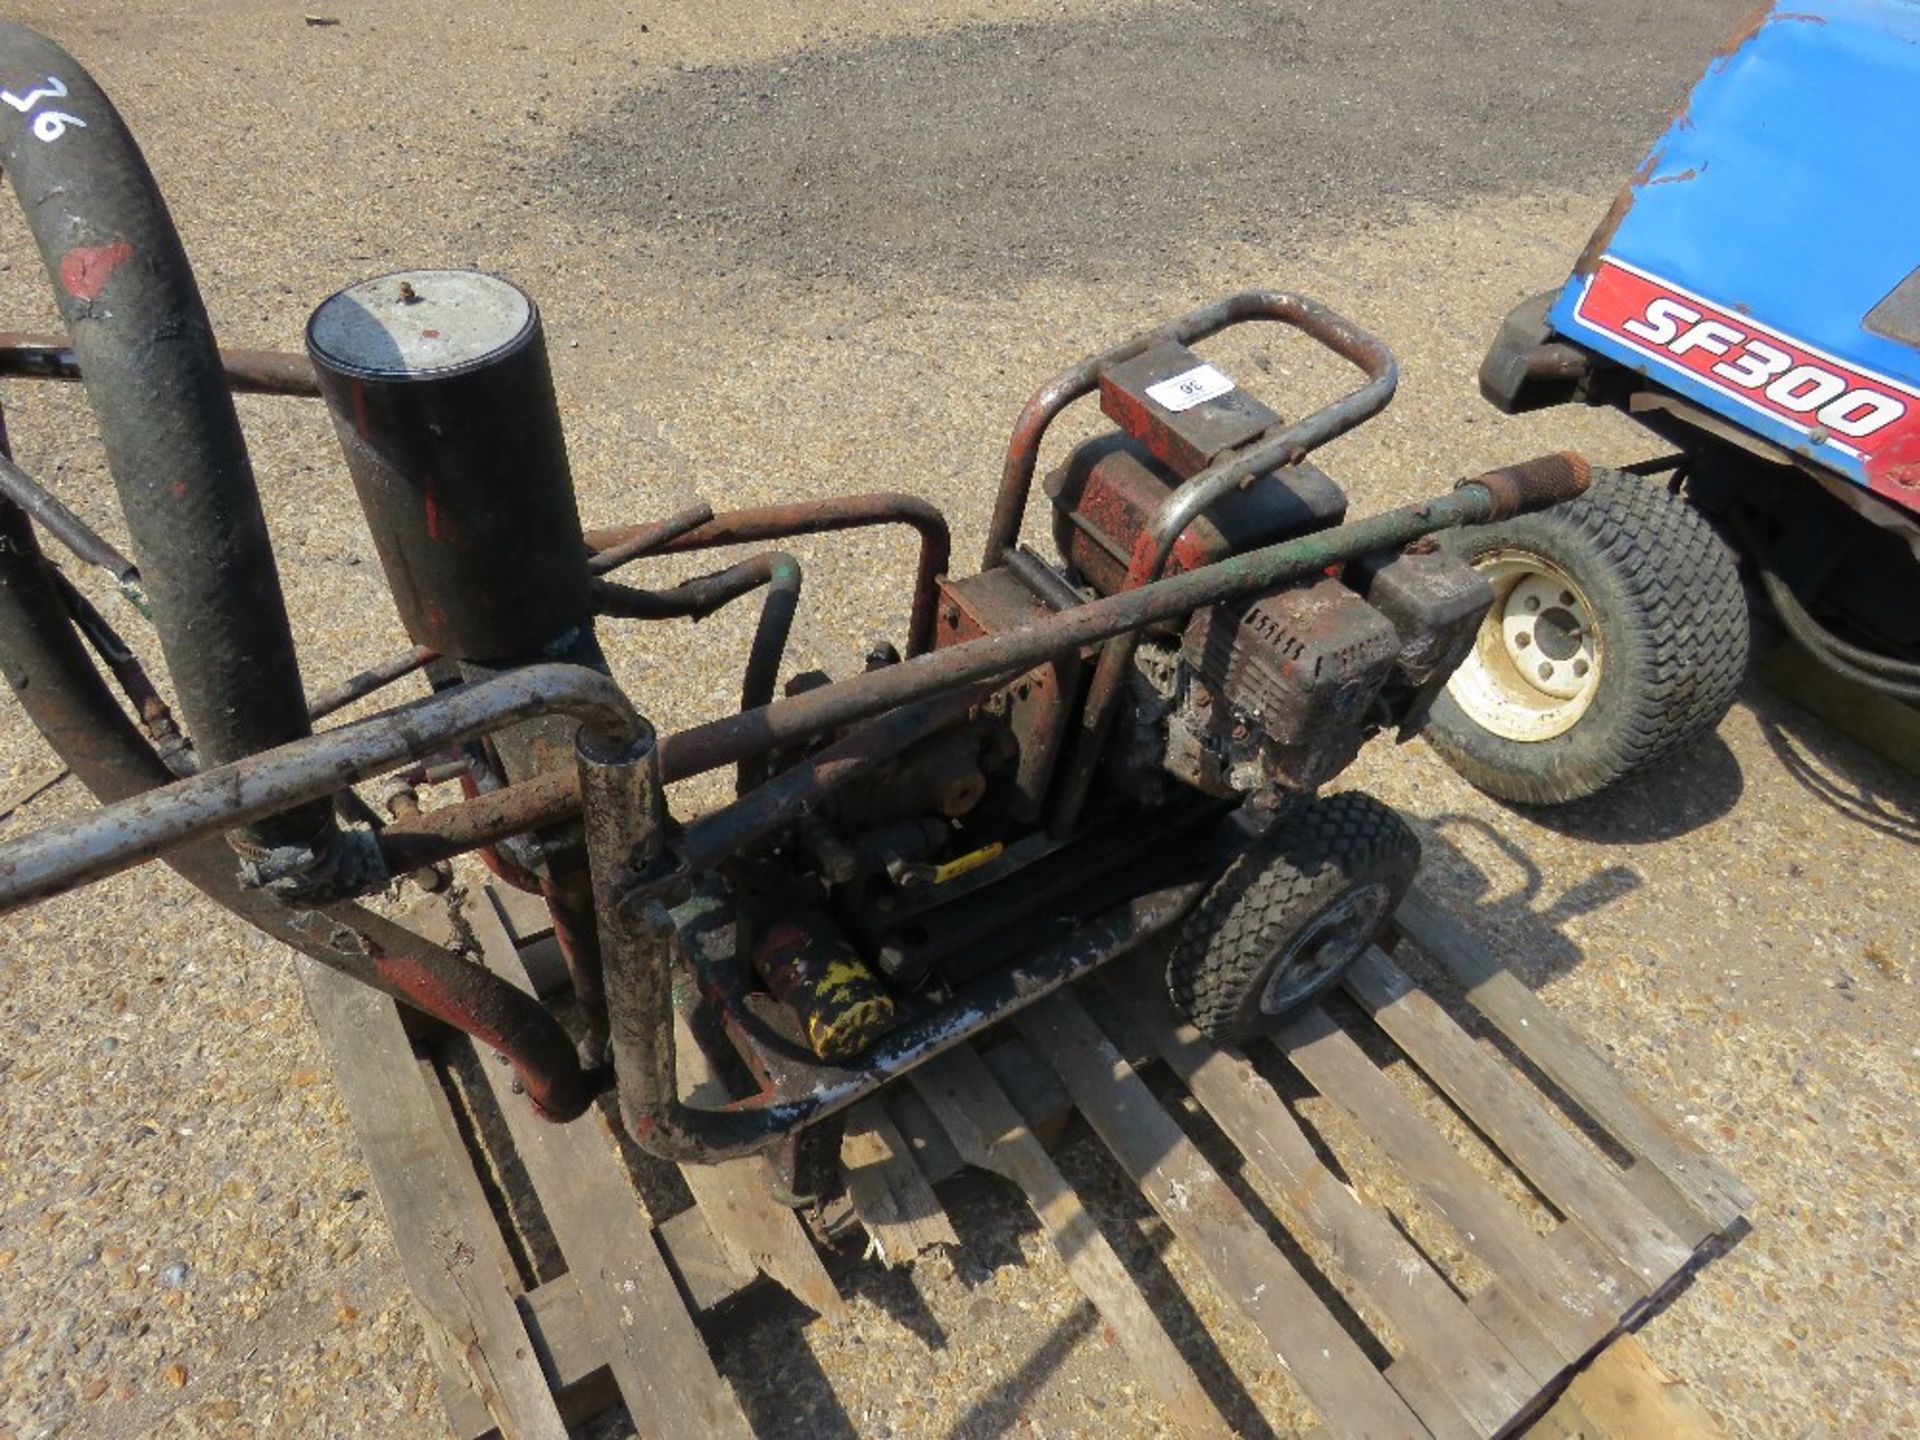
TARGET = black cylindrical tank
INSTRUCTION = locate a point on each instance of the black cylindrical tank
(440, 390)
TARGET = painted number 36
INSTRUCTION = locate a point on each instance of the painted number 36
(48, 125)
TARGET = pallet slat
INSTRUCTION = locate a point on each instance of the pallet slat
(989, 1133)
(1624, 1395)
(654, 1349)
(1442, 1337)
(1564, 1305)
(756, 1233)
(626, 1319)
(1330, 1369)
(1025, 1079)
(437, 1212)
(902, 1215)
(1717, 1199)
(1574, 1180)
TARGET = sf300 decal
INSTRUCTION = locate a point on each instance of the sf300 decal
(1831, 402)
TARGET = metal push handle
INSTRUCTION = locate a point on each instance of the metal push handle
(1284, 444)
(1309, 316)
(172, 439)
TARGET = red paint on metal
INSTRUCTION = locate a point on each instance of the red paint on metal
(85, 269)
(440, 522)
(1895, 473)
(1726, 351)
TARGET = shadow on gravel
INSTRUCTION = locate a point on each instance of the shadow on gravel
(1527, 926)
(1839, 771)
(776, 1377)
(1118, 146)
(1668, 801)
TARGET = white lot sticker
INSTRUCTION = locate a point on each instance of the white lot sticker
(1189, 388)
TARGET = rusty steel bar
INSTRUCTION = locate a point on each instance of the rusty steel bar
(375, 677)
(1281, 446)
(696, 599)
(156, 717)
(478, 822)
(821, 517)
(1023, 447)
(761, 677)
(248, 372)
(68, 702)
(549, 799)
(48, 862)
(576, 930)
(69, 529)
(645, 539)
(693, 599)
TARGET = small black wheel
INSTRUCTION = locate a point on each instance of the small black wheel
(1618, 636)
(1292, 911)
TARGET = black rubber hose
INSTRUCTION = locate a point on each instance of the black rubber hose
(699, 598)
(1821, 643)
(1885, 673)
(762, 675)
(154, 378)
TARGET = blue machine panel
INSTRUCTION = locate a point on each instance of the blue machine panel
(1771, 219)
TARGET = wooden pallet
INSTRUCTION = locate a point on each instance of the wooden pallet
(1571, 1245)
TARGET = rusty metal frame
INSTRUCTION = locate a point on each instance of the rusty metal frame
(768, 523)
(301, 882)
(45, 863)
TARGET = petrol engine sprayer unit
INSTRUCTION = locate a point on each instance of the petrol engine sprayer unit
(1072, 755)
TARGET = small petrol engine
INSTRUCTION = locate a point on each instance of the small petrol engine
(1276, 692)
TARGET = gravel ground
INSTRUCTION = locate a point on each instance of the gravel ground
(848, 242)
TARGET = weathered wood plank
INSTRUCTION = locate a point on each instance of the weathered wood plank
(1569, 1308)
(989, 1133)
(1552, 1045)
(655, 1351)
(1574, 1180)
(448, 1241)
(490, 1252)
(1026, 1080)
(569, 1346)
(1330, 1369)
(706, 1272)
(1439, 1334)
(525, 915)
(1624, 1395)
(902, 1215)
(755, 1231)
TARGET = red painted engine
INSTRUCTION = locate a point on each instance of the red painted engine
(1280, 691)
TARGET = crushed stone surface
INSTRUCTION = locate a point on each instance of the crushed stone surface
(773, 262)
